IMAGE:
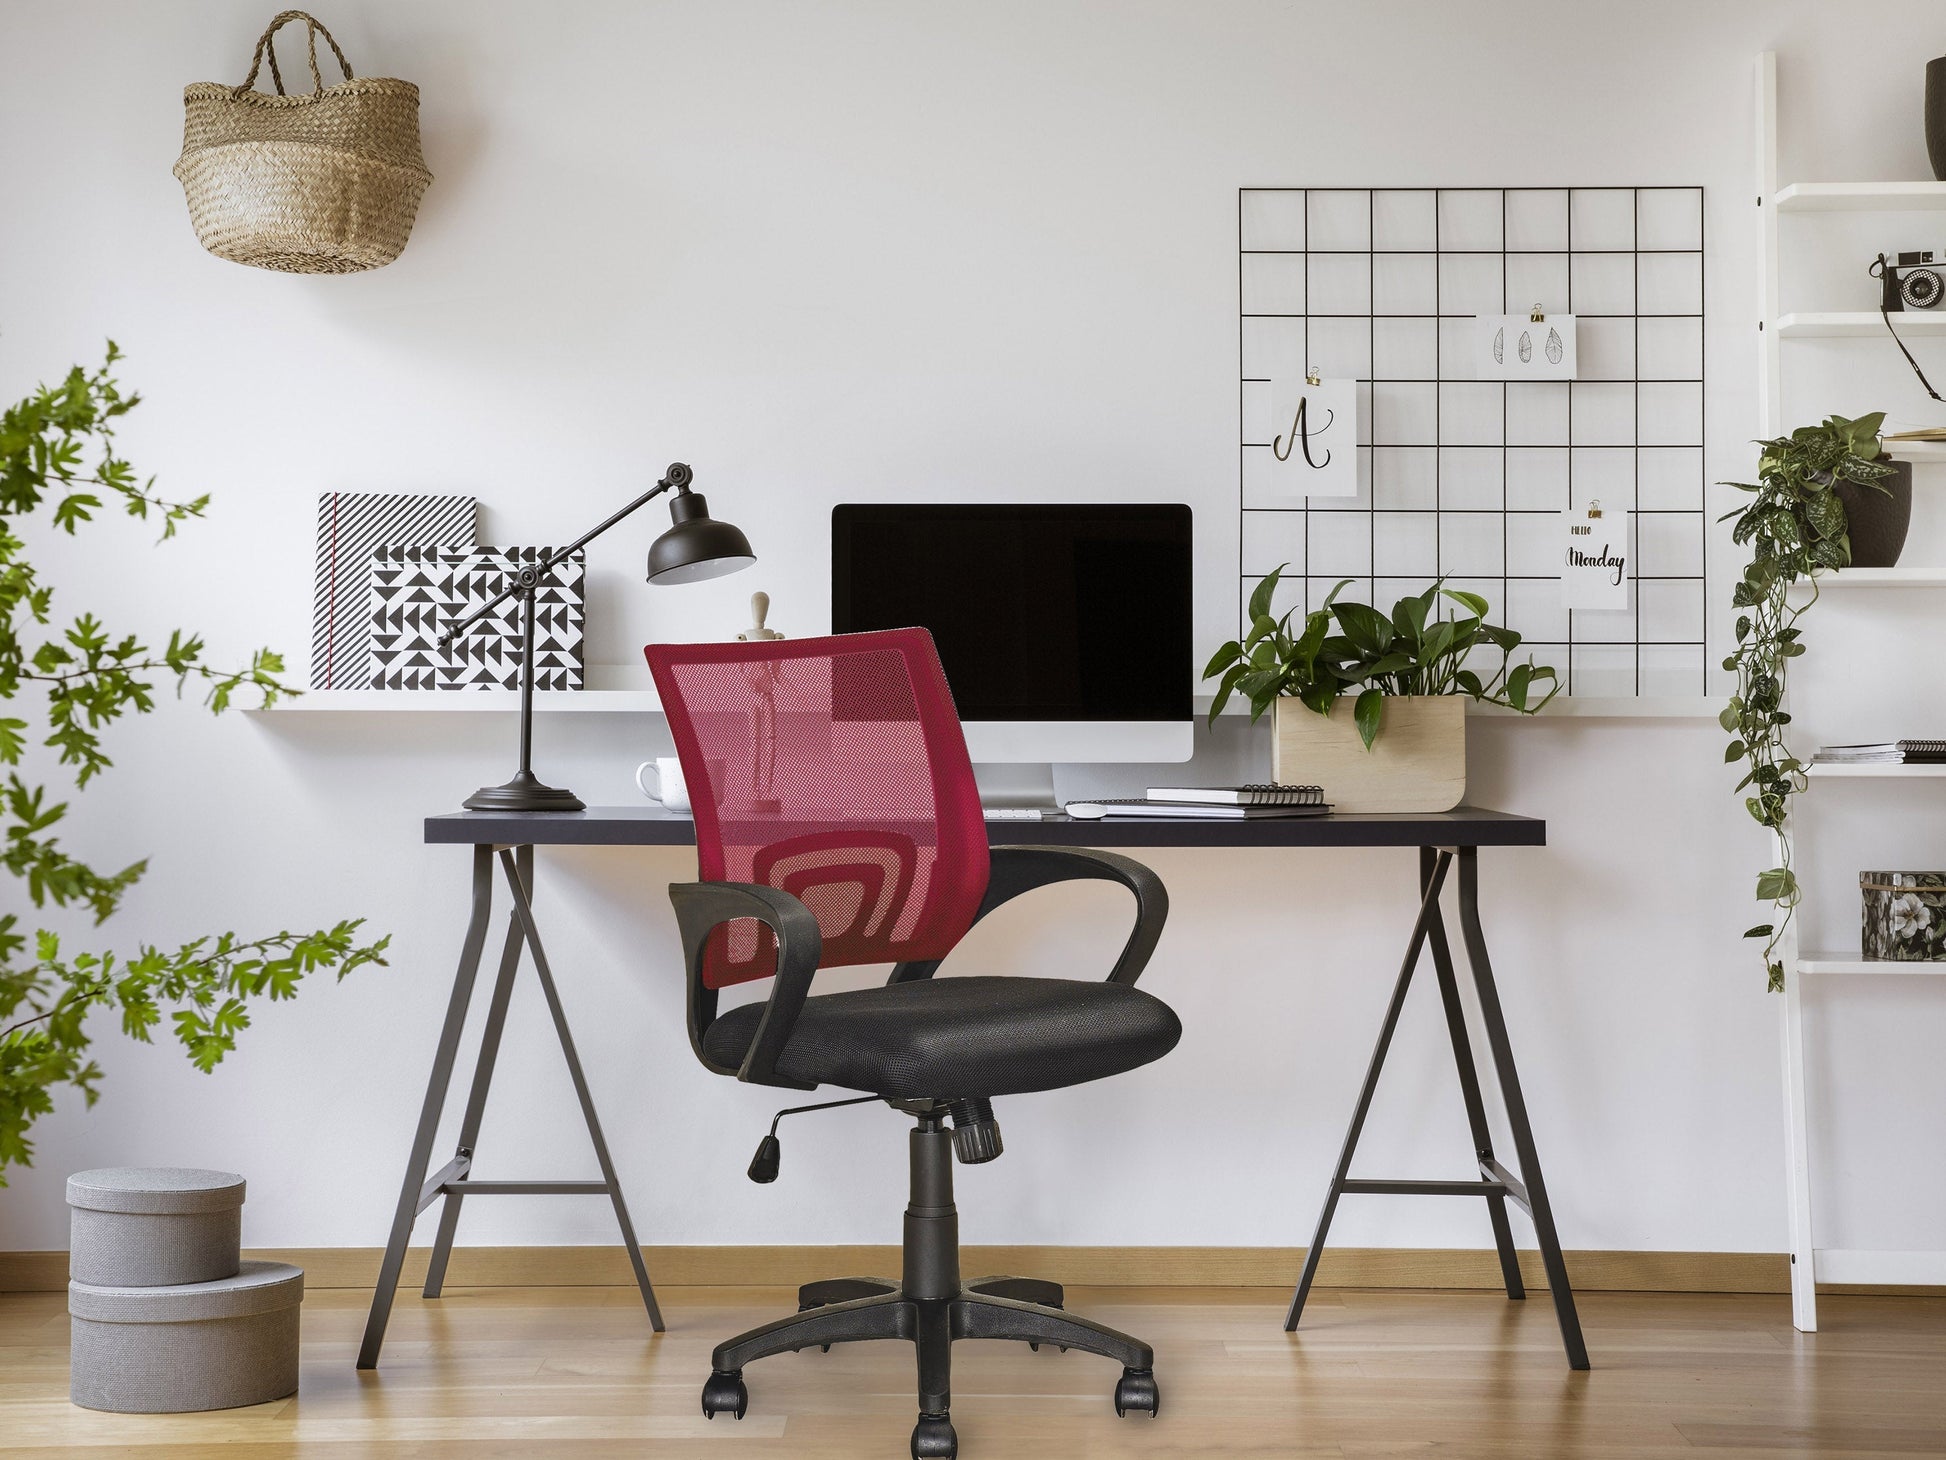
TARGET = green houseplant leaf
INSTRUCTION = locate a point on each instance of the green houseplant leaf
(1368, 712)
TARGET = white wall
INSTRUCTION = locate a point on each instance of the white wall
(881, 250)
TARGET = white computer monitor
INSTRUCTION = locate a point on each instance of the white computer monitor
(1064, 629)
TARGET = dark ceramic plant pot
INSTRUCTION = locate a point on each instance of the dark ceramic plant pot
(1878, 520)
(1936, 116)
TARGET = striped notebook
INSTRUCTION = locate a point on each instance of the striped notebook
(351, 527)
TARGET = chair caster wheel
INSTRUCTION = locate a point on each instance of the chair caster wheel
(933, 1438)
(1137, 1390)
(723, 1393)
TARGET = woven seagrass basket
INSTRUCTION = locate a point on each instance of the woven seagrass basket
(327, 183)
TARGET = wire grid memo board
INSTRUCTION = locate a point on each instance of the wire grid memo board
(1467, 478)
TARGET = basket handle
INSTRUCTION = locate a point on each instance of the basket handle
(267, 48)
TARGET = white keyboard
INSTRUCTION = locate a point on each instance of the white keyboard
(1014, 813)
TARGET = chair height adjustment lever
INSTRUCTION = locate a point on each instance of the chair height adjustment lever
(770, 1152)
(976, 1134)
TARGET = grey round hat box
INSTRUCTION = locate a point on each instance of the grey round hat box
(152, 1226)
(213, 1345)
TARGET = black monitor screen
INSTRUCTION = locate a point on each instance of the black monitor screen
(1040, 612)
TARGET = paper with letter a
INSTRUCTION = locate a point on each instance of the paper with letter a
(1315, 449)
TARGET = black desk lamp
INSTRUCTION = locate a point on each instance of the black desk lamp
(696, 547)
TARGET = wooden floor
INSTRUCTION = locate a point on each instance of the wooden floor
(573, 1372)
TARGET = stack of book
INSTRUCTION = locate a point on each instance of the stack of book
(1895, 752)
(1212, 803)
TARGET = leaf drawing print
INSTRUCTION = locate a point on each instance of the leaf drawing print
(1526, 347)
(1500, 346)
(1553, 347)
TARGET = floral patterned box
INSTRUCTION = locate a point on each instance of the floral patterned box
(1905, 915)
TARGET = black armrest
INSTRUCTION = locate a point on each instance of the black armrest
(1022, 869)
(703, 907)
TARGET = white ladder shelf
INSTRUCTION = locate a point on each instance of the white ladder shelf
(1809, 1262)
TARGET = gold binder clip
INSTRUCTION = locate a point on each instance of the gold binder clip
(1594, 507)
(1311, 376)
(1537, 317)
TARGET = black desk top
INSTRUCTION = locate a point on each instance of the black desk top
(649, 826)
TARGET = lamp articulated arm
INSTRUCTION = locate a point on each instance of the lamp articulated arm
(527, 578)
(695, 547)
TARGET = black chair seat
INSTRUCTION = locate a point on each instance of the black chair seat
(955, 1038)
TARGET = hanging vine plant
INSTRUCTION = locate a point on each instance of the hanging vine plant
(1794, 525)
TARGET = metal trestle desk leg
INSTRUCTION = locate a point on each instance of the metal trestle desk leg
(1496, 1183)
(454, 1182)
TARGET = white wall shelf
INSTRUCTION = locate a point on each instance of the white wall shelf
(1827, 325)
(1878, 578)
(1613, 707)
(1854, 963)
(1859, 197)
(1915, 451)
(1876, 772)
(1881, 1269)
(647, 702)
(462, 702)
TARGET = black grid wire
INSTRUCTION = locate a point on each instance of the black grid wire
(1603, 649)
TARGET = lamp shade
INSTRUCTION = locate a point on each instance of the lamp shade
(697, 546)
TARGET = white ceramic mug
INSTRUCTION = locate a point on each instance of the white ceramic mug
(661, 780)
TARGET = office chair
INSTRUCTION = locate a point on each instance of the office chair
(837, 823)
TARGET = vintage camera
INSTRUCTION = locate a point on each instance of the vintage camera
(1913, 280)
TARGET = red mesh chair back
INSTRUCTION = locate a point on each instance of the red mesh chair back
(835, 770)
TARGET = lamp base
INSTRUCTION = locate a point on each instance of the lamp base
(523, 793)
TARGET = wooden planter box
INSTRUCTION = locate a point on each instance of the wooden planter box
(1417, 764)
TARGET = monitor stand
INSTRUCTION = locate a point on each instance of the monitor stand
(1022, 786)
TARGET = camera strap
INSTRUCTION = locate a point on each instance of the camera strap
(1878, 270)
(1887, 317)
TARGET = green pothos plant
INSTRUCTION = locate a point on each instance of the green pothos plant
(1345, 648)
(61, 685)
(1794, 525)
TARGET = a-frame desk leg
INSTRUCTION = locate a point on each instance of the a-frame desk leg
(1496, 1183)
(454, 1181)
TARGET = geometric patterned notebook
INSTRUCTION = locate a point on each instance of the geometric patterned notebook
(417, 593)
(351, 525)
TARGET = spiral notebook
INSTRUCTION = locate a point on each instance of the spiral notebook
(1189, 811)
(1894, 752)
(1260, 794)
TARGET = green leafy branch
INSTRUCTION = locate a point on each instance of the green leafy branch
(87, 677)
(1795, 526)
(204, 987)
(44, 438)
